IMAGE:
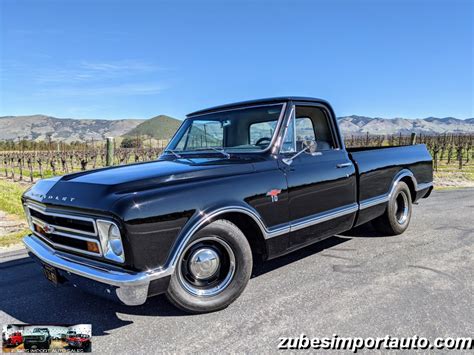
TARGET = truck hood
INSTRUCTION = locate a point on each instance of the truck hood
(95, 189)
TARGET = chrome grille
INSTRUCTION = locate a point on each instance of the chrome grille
(62, 230)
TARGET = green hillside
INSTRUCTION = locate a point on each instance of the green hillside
(159, 127)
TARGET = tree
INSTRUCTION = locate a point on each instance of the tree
(129, 142)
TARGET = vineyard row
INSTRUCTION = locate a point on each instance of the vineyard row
(24, 162)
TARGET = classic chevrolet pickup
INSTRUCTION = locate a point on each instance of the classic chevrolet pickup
(37, 339)
(255, 179)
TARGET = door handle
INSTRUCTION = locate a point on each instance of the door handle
(343, 165)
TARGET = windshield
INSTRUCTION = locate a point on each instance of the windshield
(246, 129)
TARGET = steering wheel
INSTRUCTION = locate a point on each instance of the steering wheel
(263, 139)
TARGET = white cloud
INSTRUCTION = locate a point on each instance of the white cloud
(86, 71)
(120, 66)
(112, 90)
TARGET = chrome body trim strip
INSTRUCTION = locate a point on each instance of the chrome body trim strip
(370, 202)
(373, 201)
(324, 216)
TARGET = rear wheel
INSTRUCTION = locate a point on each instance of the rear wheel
(212, 270)
(397, 216)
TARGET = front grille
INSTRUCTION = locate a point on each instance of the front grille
(63, 230)
(67, 223)
(60, 239)
(32, 338)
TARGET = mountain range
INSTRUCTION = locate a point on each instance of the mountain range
(382, 126)
(41, 127)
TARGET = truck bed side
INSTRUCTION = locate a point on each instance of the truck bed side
(379, 169)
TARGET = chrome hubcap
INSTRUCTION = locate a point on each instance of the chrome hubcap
(401, 208)
(203, 263)
(206, 267)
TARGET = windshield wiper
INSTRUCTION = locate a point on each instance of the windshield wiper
(221, 150)
(179, 156)
(172, 152)
(216, 149)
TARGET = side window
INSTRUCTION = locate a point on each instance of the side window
(312, 123)
(304, 131)
(260, 130)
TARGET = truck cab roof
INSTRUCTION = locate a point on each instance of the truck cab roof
(270, 100)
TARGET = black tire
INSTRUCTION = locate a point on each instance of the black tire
(232, 248)
(396, 217)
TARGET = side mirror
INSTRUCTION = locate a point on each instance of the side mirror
(309, 147)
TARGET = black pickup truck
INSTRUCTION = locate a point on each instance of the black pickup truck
(255, 179)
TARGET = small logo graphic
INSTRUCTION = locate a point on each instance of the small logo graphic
(274, 194)
(48, 229)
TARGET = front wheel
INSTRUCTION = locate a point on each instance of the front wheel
(397, 216)
(213, 269)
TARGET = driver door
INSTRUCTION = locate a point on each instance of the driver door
(321, 186)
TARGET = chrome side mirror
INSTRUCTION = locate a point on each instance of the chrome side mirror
(309, 146)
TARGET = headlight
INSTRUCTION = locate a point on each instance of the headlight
(110, 240)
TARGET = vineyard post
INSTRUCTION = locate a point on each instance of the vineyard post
(5, 164)
(459, 151)
(435, 157)
(413, 138)
(30, 167)
(110, 151)
(12, 167)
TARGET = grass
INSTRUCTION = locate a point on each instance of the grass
(13, 238)
(449, 176)
(10, 198)
(10, 202)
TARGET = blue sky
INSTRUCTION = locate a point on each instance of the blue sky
(137, 59)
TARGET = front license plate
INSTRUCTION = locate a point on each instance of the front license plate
(51, 274)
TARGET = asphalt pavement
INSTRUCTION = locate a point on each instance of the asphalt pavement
(361, 284)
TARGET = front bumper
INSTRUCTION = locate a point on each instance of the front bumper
(131, 288)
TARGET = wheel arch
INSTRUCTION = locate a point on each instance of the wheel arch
(245, 218)
(406, 176)
(411, 185)
(251, 230)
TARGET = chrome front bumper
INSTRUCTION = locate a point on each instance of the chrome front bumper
(131, 288)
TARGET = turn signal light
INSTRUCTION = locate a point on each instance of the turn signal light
(93, 247)
(39, 229)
